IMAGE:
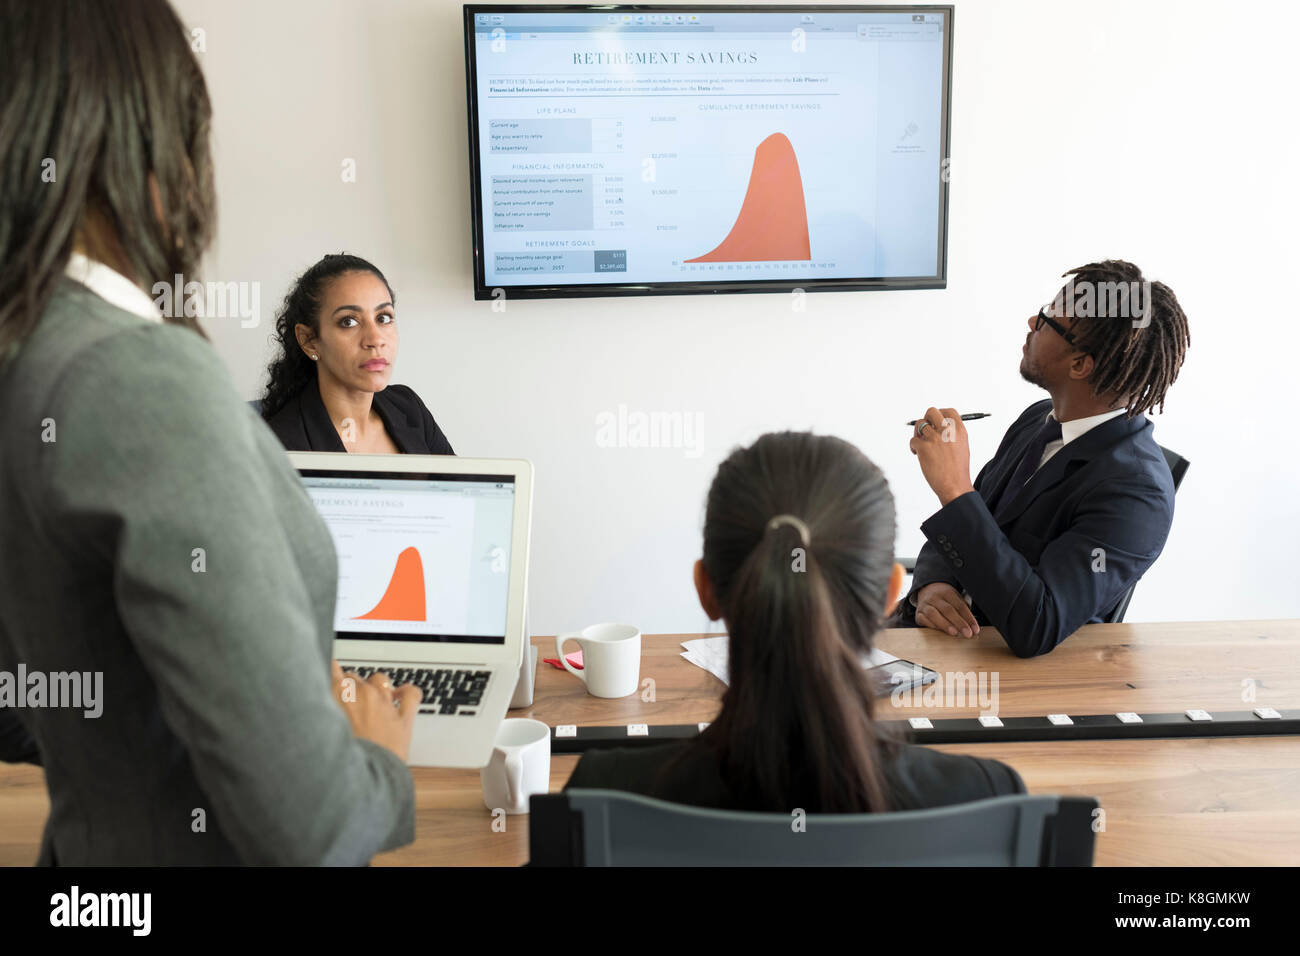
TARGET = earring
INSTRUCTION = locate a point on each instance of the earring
(315, 358)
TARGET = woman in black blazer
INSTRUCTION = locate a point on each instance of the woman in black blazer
(328, 387)
(798, 561)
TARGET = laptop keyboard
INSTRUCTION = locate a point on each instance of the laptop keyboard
(445, 690)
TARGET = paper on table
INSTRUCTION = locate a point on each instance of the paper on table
(710, 653)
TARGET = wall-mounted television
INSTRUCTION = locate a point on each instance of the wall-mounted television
(646, 150)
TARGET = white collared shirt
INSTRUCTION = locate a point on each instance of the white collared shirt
(1076, 428)
(111, 286)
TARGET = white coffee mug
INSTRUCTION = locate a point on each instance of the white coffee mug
(520, 765)
(611, 658)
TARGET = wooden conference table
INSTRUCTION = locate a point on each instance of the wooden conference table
(1182, 802)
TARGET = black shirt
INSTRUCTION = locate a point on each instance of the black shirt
(303, 424)
(915, 778)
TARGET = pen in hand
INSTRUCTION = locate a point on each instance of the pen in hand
(966, 418)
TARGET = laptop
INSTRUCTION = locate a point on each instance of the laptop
(433, 578)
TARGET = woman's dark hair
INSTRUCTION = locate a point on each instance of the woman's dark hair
(291, 369)
(795, 728)
(95, 97)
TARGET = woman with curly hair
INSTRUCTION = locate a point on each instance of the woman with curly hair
(328, 386)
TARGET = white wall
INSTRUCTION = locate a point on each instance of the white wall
(1160, 132)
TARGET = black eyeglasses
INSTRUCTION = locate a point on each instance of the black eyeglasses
(1045, 319)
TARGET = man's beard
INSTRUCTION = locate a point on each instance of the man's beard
(1030, 374)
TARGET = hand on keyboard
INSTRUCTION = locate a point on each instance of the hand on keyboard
(378, 710)
(442, 689)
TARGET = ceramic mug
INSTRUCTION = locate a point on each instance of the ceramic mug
(520, 765)
(611, 658)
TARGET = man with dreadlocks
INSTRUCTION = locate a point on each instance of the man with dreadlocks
(1078, 500)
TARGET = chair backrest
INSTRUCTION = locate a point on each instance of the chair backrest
(613, 828)
(1177, 468)
(1177, 465)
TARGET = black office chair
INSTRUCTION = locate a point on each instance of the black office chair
(1177, 468)
(612, 828)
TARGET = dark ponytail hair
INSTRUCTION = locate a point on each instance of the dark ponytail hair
(796, 728)
(291, 369)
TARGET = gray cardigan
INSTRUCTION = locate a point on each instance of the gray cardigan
(219, 739)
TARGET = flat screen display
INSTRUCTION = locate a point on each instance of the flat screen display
(421, 557)
(676, 149)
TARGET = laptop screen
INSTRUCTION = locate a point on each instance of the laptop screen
(422, 557)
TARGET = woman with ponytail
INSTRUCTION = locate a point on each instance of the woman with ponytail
(328, 388)
(799, 563)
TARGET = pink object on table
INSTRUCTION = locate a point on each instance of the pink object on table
(575, 659)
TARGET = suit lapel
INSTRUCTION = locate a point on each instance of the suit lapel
(321, 433)
(1081, 449)
(1006, 466)
(407, 432)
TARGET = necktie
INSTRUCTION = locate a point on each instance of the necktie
(1048, 433)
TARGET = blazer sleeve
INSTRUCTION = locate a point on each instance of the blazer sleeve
(16, 744)
(930, 567)
(161, 457)
(595, 770)
(1003, 780)
(921, 777)
(639, 771)
(1117, 532)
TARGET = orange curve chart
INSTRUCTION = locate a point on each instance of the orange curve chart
(773, 221)
(404, 599)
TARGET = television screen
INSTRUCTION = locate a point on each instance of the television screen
(633, 150)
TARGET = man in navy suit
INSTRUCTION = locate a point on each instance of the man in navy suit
(1078, 500)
